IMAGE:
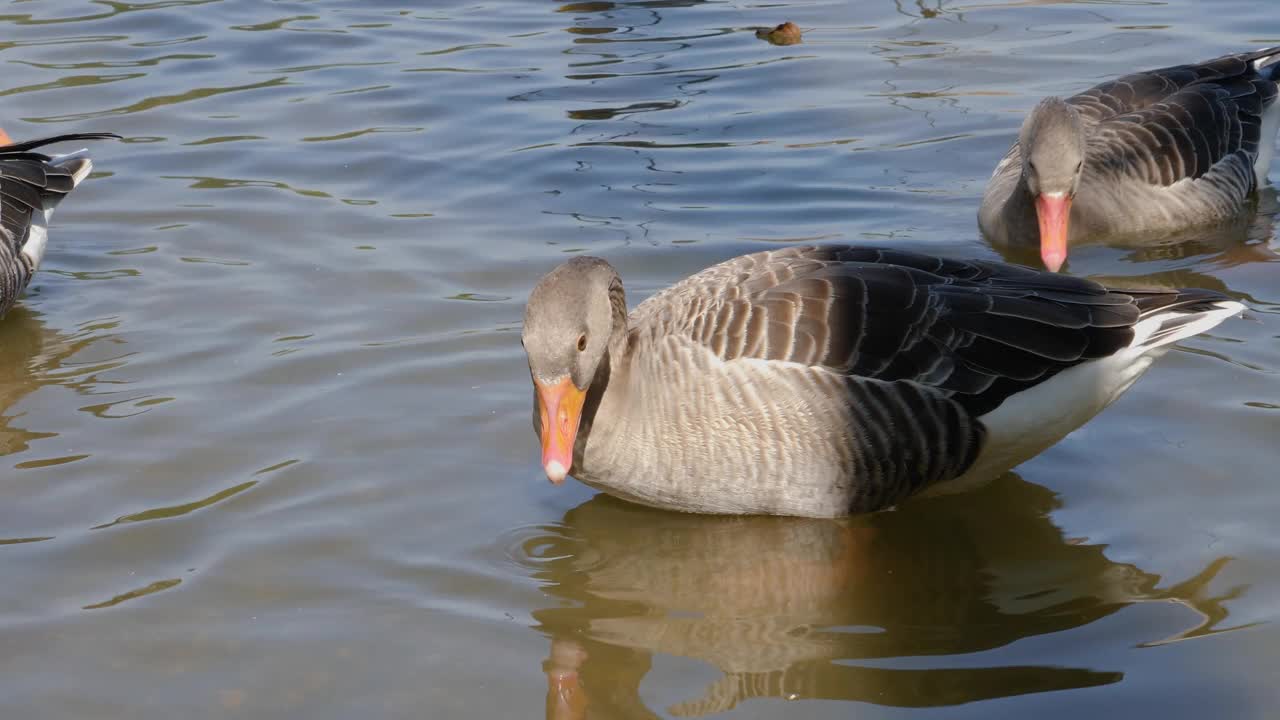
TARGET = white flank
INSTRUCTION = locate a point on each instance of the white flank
(1030, 421)
(1270, 123)
(37, 238)
(1267, 141)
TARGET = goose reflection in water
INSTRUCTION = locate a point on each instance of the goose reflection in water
(31, 356)
(801, 609)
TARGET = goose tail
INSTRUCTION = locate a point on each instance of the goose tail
(1169, 317)
(42, 180)
(76, 164)
(1267, 62)
(1020, 427)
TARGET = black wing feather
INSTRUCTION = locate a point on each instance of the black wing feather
(1179, 122)
(25, 147)
(977, 331)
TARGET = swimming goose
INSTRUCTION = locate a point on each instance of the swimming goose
(828, 380)
(1150, 152)
(31, 186)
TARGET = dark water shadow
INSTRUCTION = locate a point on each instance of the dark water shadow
(848, 609)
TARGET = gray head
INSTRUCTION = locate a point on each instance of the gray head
(576, 314)
(1052, 142)
(569, 320)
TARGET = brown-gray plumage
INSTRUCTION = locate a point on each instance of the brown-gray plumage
(1149, 152)
(31, 186)
(832, 379)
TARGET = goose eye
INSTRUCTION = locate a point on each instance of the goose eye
(582, 342)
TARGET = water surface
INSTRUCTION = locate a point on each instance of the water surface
(265, 442)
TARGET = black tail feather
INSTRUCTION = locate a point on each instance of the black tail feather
(25, 147)
(1185, 299)
(1267, 62)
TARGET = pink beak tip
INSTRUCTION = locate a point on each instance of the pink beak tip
(556, 472)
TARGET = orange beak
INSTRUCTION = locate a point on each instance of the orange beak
(5, 139)
(1053, 211)
(566, 699)
(561, 408)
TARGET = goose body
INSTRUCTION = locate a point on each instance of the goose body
(1150, 152)
(828, 380)
(31, 186)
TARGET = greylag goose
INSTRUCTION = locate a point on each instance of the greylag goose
(31, 186)
(1150, 152)
(828, 380)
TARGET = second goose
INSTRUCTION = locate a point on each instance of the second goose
(1150, 152)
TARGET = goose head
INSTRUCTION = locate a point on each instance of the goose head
(1052, 141)
(576, 315)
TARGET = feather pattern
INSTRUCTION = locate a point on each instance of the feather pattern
(832, 379)
(31, 186)
(977, 331)
(1165, 149)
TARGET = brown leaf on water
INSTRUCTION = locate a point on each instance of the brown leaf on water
(788, 33)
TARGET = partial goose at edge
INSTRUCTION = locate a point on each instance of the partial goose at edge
(31, 186)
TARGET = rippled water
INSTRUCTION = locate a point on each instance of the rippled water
(265, 422)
